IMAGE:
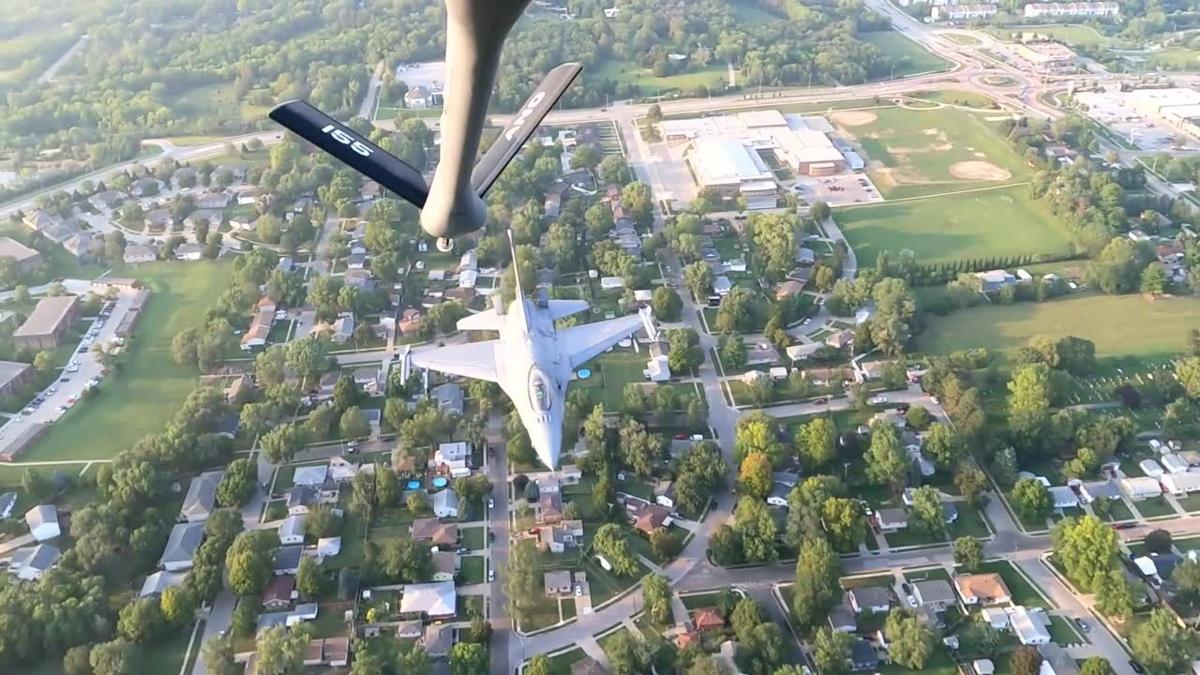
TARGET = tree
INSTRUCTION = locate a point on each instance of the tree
(656, 592)
(1159, 541)
(1161, 645)
(1030, 393)
(1114, 597)
(627, 655)
(238, 483)
(819, 210)
(844, 522)
(919, 417)
(540, 665)
(281, 443)
(1086, 548)
(756, 529)
(308, 579)
(218, 657)
(248, 561)
(666, 303)
(1187, 579)
(1187, 371)
(468, 658)
(928, 513)
(353, 423)
(523, 577)
(831, 651)
(1096, 665)
(971, 482)
(968, 553)
(698, 277)
(178, 605)
(281, 650)
(664, 543)
(1116, 268)
(75, 661)
(1025, 660)
(114, 657)
(755, 475)
(817, 442)
(886, 461)
(610, 541)
(911, 640)
(140, 621)
(1031, 499)
(944, 445)
(816, 589)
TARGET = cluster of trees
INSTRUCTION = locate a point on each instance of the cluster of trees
(1086, 549)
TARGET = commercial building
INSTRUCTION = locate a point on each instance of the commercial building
(1041, 10)
(1177, 107)
(1046, 55)
(47, 323)
(26, 258)
(962, 13)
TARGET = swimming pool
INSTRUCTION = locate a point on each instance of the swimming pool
(584, 373)
(440, 482)
(414, 485)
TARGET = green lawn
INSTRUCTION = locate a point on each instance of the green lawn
(1003, 329)
(1063, 633)
(939, 663)
(216, 100)
(1190, 503)
(913, 536)
(561, 663)
(1022, 590)
(610, 373)
(927, 574)
(715, 76)
(1003, 222)
(957, 97)
(1118, 511)
(166, 656)
(915, 152)
(1154, 507)
(970, 522)
(149, 386)
(472, 537)
(1174, 58)
(471, 568)
(908, 57)
(1073, 34)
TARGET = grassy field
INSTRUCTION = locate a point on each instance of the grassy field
(1174, 58)
(921, 152)
(1000, 222)
(715, 76)
(1074, 34)
(957, 97)
(909, 57)
(216, 101)
(1120, 325)
(149, 387)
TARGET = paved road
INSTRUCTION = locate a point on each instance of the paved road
(218, 620)
(503, 637)
(367, 109)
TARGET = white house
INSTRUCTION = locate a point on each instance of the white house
(43, 522)
(1174, 463)
(1139, 488)
(445, 504)
(291, 530)
(1182, 483)
(327, 547)
(1151, 468)
(1029, 625)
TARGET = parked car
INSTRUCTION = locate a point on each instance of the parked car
(1083, 625)
(1137, 667)
(877, 400)
(491, 575)
(491, 503)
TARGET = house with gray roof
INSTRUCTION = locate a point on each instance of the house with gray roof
(445, 504)
(934, 594)
(160, 581)
(870, 599)
(181, 547)
(43, 522)
(30, 563)
(449, 397)
(201, 497)
(286, 560)
(291, 530)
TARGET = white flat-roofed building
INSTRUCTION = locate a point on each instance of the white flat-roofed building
(1040, 10)
(802, 143)
(1046, 55)
(963, 12)
(1141, 487)
(732, 168)
(1182, 483)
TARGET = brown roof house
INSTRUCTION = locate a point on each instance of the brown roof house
(982, 589)
(435, 531)
(650, 517)
(47, 323)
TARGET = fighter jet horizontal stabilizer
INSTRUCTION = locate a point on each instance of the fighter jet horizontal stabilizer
(353, 150)
(526, 121)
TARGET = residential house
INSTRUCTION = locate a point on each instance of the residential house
(1031, 626)
(29, 563)
(445, 565)
(875, 599)
(650, 517)
(409, 630)
(561, 536)
(708, 618)
(445, 503)
(291, 530)
(279, 593)
(452, 458)
(1038, 10)
(343, 329)
(300, 498)
(434, 531)
(311, 476)
(1173, 463)
(214, 201)
(139, 253)
(145, 187)
(1180, 484)
(449, 397)
(367, 379)
(891, 520)
(550, 508)
(159, 219)
(1056, 661)
(1063, 497)
(201, 497)
(982, 589)
(181, 546)
(85, 245)
(863, 656)
(1103, 489)
(43, 522)
(190, 252)
(160, 581)
(1140, 487)
(286, 560)
(213, 217)
(841, 618)
(328, 547)
(569, 474)
(934, 594)
(557, 583)
(436, 600)
(410, 321)
(437, 640)
(994, 280)
(342, 471)
(109, 199)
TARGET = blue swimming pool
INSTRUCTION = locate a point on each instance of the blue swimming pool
(440, 482)
(414, 484)
(584, 373)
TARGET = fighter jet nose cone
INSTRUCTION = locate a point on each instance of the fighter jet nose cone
(548, 446)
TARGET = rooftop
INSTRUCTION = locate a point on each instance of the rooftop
(47, 316)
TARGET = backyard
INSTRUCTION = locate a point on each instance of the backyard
(1001, 222)
(148, 386)
(1003, 329)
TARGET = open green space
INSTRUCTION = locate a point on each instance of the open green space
(970, 521)
(914, 536)
(216, 101)
(148, 386)
(1118, 511)
(714, 76)
(1002, 222)
(471, 569)
(939, 663)
(969, 99)
(1023, 591)
(471, 537)
(1155, 507)
(1191, 503)
(560, 664)
(610, 373)
(1119, 325)
(1073, 34)
(927, 574)
(1173, 58)
(921, 152)
(909, 57)
(1063, 633)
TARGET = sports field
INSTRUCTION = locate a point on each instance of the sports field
(921, 152)
(1120, 325)
(149, 387)
(909, 57)
(1002, 222)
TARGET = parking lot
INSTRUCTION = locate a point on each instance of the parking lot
(82, 372)
(840, 190)
(1111, 109)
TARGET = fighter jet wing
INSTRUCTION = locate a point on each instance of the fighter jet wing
(476, 360)
(585, 342)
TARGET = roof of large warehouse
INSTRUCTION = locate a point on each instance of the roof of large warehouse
(721, 161)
